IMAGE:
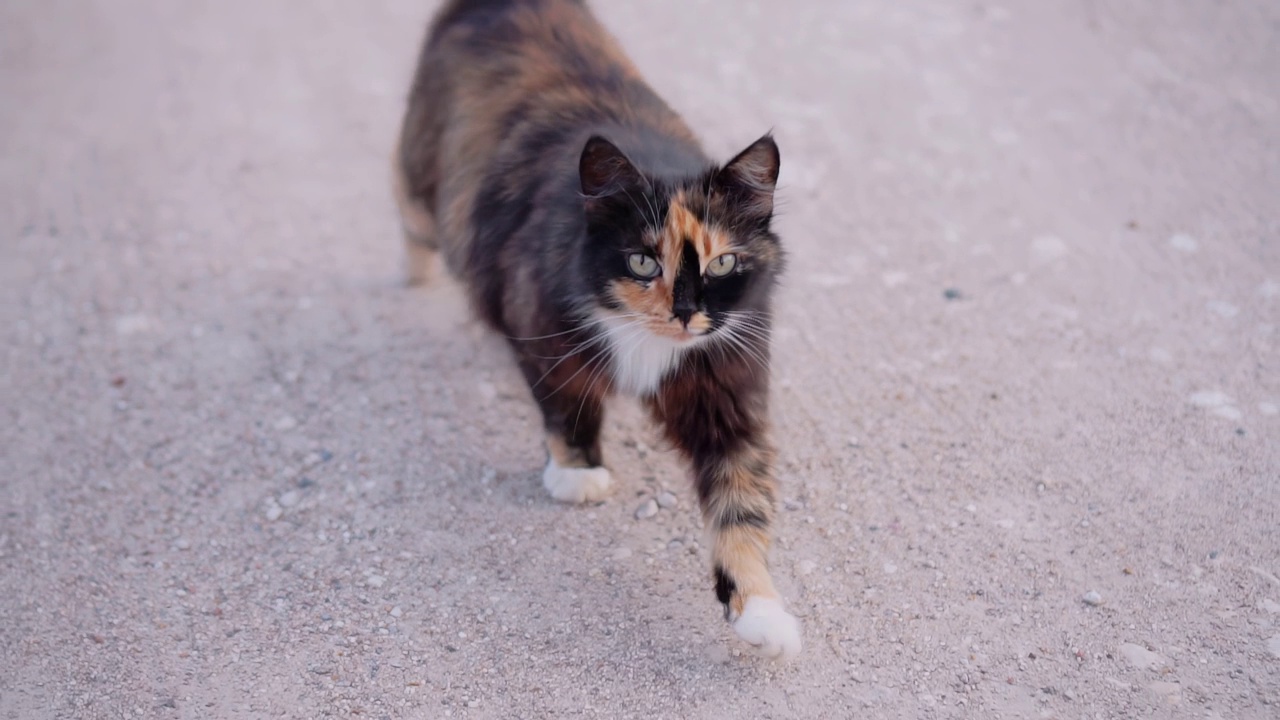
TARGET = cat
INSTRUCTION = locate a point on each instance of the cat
(590, 229)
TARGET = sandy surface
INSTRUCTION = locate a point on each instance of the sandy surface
(247, 474)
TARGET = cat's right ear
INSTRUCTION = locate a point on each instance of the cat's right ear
(604, 170)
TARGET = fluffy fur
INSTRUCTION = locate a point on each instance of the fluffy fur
(591, 230)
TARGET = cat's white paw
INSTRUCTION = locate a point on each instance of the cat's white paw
(576, 485)
(767, 625)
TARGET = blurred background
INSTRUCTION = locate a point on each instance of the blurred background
(1026, 382)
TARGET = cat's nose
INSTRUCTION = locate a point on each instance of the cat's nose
(683, 311)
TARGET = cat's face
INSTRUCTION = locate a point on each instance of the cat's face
(681, 262)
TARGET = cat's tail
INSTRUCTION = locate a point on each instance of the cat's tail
(416, 222)
(415, 164)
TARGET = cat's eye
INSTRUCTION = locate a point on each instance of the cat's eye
(722, 266)
(643, 266)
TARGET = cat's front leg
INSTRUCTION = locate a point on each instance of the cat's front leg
(736, 492)
(725, 438)
(571, 397)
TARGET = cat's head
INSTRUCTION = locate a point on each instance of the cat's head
(681, 260)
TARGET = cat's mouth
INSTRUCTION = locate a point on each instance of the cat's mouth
(673, 331)
(698, 326)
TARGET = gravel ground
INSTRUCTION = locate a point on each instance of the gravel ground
(1027, 390)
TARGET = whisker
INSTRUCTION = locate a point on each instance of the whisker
(758, 333)
(588, 322)
(743, 347)
(634, 324)
(653, 221)
(603, 337)
(652, 210)
(594, 321)
(599, 373)
(595, 377)
(566, 356)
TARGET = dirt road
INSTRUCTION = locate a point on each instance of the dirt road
(1027, 352)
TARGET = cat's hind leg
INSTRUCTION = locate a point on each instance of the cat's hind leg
(418, 226)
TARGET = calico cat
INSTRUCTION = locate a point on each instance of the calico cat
(591, 230)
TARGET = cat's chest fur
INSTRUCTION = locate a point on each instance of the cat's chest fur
(638, 359)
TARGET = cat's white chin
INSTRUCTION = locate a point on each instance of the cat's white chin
(641, 358)
(766, 624)
(576, 485)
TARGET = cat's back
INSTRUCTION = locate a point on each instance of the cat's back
(524, 82)
(504, 50)
(539, 63)
(505, 96)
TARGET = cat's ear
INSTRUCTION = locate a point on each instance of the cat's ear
(749, 179)
(604, 170)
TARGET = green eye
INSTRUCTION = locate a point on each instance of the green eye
(722, 265)
(643, 266)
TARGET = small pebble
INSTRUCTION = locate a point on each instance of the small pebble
(667, 500)
(273, 512)
(286, 423)
(290, 498)
(375, 581)
(1092, 598)
(951, 294)
(806, 567)
(647, 509)
(1140, 657)
(622, 553)
(182, 544)
(396, 612)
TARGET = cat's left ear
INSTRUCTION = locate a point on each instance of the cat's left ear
(749, 179)
(604, 170)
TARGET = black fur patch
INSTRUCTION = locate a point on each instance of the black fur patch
(724, 589)
(741, 516)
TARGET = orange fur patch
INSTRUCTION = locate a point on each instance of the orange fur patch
(655, 303)
(743, 553)
(654, 300)
(709, 241)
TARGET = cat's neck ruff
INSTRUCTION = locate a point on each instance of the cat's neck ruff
(640, 359)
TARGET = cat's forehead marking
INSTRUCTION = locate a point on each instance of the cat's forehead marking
(684, 225)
